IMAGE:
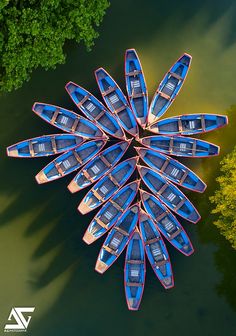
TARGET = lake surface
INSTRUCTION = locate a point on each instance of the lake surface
(44, 262)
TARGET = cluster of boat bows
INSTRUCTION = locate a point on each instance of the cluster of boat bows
(86, 146)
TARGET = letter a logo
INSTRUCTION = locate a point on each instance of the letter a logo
(21, 322)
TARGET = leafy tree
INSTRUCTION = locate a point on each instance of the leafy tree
(33, 33)
(225, 198)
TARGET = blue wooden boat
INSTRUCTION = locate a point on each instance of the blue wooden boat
(171, 169)
(110, 212)
(44, 145)
(134, 271)
(180, 146)
(169, 194)
(117, 239)
(116, 101)
(136, 86)
(67, 121)
(98, 166)
(95, 110)
(166, 223)
(70, 161)
(156, 251)
(169, 88)
(108, 185)
(189, 124)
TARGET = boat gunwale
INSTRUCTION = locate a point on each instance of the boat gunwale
(127, 101)
(171, 100)
(146, 93)
(103, 135)
(41, 136)
(144, 268)
(93, 119)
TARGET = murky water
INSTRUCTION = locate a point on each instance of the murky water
(44, 262)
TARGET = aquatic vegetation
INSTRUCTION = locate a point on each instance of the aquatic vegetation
(138, 202)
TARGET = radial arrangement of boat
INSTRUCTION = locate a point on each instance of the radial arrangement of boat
(128, 157)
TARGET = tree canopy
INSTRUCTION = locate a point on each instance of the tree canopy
(225, 198)
(33, 34)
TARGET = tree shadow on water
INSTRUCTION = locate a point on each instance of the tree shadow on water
(225, 255)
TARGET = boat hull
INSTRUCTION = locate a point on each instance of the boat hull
(169, 194)
(98, 166)
(116, 101)
(172, 169)
(189, 124)
(108, 185)
(95, 110)
(108, 215)
(156, 251)
(68, 121)
(134, 271)
(180, 146)
(117, 239)
(169, 88)
(136, 86)
(167, 223)
(44, 145)
(70, 161)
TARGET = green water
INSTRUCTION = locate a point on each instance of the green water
(44, 262)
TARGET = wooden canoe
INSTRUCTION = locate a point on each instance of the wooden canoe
(68, 121)
(116, 101)
(98, 166)
(171, 169)
(108, 185)
(180, 146)
(134, 271)
(166, 223)
(117, 239)
(136, 86)
(110, 212)
(95, 110)
(189, 124)
(156, 251)
(169, 194)
(44, 145)
(169, 88)
(70, 161)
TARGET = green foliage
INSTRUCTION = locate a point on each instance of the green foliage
(225, 198)
(33, 34)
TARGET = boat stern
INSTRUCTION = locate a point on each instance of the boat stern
(101, 267)
(88, 238)
(41, 178)
(73, 187)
